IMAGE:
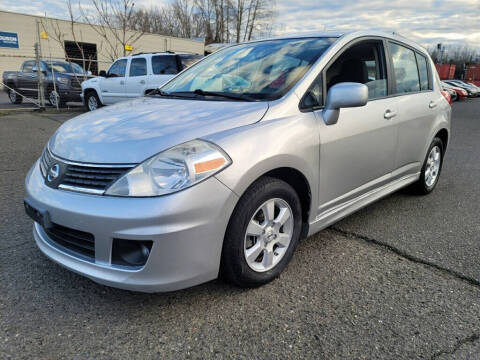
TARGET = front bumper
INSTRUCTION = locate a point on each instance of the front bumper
(187, 229)
(70, 95)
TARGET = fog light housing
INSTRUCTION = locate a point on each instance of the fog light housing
(131, 253)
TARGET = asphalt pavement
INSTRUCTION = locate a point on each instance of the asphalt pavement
(399, 279)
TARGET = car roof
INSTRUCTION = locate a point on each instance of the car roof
(350, 35)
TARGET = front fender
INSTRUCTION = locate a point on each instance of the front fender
(256, 149)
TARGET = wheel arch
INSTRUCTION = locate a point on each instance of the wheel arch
(442, 134)
(88, 91)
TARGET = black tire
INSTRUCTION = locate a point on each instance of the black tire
(234, 267)
(92, 94)
(421, 187)
(14, 97)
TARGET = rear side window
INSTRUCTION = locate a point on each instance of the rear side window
(164, 65)
(118, 68)
(138, 67)
(188, 60)
(405, 69)
(423, 72)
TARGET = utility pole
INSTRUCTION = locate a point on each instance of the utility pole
(38, 55)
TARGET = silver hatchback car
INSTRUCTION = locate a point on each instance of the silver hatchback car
(228, 165)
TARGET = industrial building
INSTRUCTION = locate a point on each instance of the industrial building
(18, 35)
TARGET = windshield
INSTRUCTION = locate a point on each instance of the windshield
(64, 67)
(263, 70)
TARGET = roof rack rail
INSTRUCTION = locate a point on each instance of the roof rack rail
(154, 52)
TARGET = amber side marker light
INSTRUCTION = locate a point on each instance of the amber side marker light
(209, 165)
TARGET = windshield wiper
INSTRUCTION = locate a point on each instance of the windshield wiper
(167, 94)
(204, 93)
(232, 96)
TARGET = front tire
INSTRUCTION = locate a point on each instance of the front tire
(262, 234)
(54, 97)
(431, 169)
(92, 102)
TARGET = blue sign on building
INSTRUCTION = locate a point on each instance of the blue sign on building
(8, 40)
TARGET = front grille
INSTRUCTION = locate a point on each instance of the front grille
(77, 241)
(76, 84)
(78, 177)
(96, 178)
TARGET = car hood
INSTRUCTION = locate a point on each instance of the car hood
(132, 131)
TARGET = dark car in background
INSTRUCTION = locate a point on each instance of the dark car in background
(62, 81)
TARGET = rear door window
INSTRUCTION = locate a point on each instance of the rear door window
(423, 72)
(138, 67)
(404, 68)
(164, 65)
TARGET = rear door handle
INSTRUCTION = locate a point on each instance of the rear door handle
(432, 104)
(389, 114)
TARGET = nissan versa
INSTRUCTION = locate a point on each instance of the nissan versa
(229, 164)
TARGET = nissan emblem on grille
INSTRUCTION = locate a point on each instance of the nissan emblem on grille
(53, 172)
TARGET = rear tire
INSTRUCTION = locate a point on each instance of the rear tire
(92, 102)
(262, 234)
(14, 97)
(431, 169)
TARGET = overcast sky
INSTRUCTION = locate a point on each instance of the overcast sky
(426, 21)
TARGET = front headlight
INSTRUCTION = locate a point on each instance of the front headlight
(173, 170)
(62, 80)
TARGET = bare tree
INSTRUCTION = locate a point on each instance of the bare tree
(112, 20)
(54, 30)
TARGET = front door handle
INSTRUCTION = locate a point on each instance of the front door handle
(432, 104)
(142, 82)
(389, 114)
(122, 82)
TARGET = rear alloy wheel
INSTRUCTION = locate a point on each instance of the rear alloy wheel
(262, 233)
(431, 169)
(92, 102)
(14, 97)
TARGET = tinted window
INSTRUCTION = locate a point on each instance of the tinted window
(188, 60)
(27, 66)
(118, 68)
(362, 63)
(405, 69)
(138, 67)
(164, 65)
(423, 72)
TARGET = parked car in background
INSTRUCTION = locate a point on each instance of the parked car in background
(234, 160)
(133, 76)
(62, 81)
(461, 93)
(471, 90)
(451, 91)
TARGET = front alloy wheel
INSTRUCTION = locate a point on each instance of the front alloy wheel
(262, 234)
(268, 235)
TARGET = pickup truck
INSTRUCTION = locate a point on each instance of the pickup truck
(68, 78)
(134, 76)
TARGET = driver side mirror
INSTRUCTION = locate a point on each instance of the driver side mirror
(343, 95)
(102, 73)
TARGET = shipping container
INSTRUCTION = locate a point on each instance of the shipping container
(473, 74)
(446, 71)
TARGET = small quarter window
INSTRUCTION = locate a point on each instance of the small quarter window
(313, 97)
(423, 72)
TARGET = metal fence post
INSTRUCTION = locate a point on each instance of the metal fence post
(41, 88)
